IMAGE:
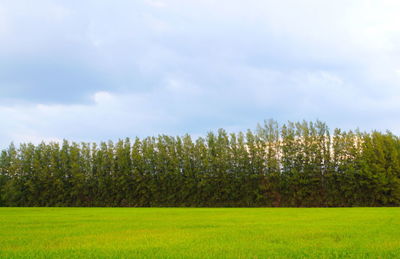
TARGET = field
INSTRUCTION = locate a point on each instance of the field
(200, 232)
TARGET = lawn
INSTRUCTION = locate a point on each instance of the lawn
(200, 232)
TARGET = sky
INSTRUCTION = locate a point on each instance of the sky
(96, 70)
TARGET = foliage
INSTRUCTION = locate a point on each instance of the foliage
(297, 164)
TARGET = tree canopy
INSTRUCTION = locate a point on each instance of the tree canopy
(298, 164)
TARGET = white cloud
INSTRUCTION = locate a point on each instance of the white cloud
(110, 116)
(103, 97)
(157, 4)
(189, 66)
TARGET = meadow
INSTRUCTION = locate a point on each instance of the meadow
(199, 232)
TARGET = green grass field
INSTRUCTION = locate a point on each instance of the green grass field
(200, 232)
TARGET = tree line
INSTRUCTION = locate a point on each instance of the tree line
(298, 164)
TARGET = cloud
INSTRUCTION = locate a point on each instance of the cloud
(95, 70)
(51, 80)
(106, 118)
(157, 4)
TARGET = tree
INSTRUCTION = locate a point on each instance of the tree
(296, 164)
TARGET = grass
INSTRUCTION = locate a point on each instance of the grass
(200, 232)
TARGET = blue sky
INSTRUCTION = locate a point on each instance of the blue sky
(97, 70)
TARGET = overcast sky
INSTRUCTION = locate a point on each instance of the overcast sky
(99, 69)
